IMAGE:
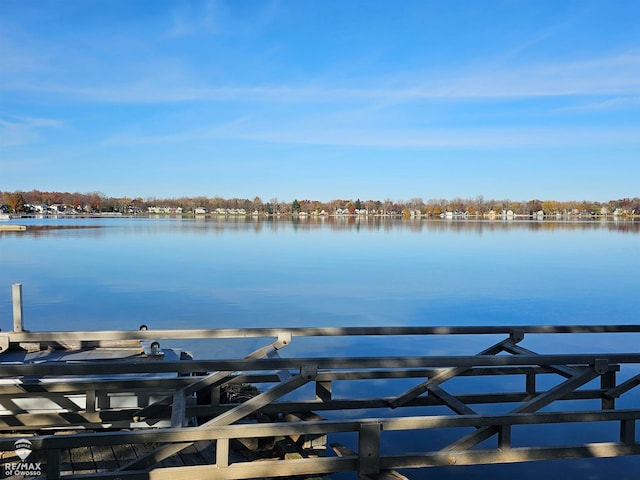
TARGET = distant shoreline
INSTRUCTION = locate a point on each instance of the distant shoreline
(444, 216)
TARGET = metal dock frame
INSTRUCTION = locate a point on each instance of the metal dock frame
(573, 377)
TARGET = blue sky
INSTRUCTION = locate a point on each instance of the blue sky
(511, 99)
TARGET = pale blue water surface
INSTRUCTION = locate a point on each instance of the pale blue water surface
(119, 273)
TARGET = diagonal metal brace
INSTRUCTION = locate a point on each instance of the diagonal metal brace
(624, 387)
(213, 379)
(450, 401)
(252, 405)
(563, 370)
(442, 376)
(533, 405)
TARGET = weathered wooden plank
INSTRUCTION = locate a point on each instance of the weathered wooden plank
(207, 451)
(123, 453)
(104, 458)
(171, 461)
(307, 441)
(81, 459)
(66, 467)
(191, 456)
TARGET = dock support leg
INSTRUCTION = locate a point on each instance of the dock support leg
(607, 382)
(16, 293)
(90, 402)
(369, 449)
(628, 432)
(53, 464)
(504, 437)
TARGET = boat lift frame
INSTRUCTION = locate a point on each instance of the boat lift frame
(166, 389)
(288, 374)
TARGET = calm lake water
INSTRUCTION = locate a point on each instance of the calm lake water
(118, 273)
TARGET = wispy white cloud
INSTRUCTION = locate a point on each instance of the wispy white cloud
(18, 165)
(215, 17)
(605, 76)
(434, 138)
(618, 103)
(190, 19)
(25, 130)
(223, 130)
(602, 76)
(448, 138)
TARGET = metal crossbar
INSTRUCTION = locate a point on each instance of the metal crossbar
(56, 443)
(177, 334)
(270, 364)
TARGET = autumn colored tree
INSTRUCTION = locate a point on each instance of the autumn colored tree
(534, 206)
(96, 201)
(15, 202)
(257, 205)
(549, 206)
(350, 206)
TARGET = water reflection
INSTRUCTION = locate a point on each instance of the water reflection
(219, 272)
(46, 227)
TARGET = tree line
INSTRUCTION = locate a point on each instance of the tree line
(94, 202)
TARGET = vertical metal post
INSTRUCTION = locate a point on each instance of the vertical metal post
(504, 437)
(16, 291)
(53, 464)
(607, 382)
(215, 396)
(530, 382)
(628, 431)
(104, 403)
(369, 449)
(90, 401)
(222, 452)
(178, 410)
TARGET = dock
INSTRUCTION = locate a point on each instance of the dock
(12, 228)
(116, 404)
